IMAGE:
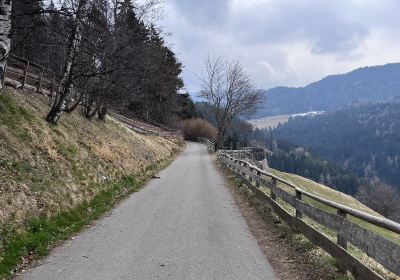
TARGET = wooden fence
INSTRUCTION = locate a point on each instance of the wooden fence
(210, 145)
(24, 73)
(28, 73)
(377, 247)
(382, 250)
(145, 128)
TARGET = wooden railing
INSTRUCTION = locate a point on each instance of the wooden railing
(379, 248)
(145, 128)
(29, 74)
(210, 145)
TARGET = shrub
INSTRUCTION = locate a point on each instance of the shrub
(196, 127)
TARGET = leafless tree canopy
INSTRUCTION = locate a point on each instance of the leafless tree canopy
(105, 54)
(226, 85)
(382, 198)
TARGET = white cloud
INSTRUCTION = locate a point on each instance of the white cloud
(284, 42)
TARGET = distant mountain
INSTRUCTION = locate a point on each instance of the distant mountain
(368, 84)
(363, 138)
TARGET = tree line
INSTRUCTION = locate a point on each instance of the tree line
(106, 54)
(363, 138)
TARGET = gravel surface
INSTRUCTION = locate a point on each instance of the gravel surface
(184, 225)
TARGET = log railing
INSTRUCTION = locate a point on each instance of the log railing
(29, 74)
(384, 251)
(210, 145)
(145, 128)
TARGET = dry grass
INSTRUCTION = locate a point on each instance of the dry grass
(270, 122)
(47, 169)
(344, 199)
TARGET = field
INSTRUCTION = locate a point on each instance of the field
(269, 122)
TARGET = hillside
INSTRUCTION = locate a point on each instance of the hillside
(368, 84)
(363, 138)
(336, 196)
(45, 169)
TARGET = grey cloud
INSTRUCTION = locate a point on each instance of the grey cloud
(205, 12)
(274, 38)
(282, 21)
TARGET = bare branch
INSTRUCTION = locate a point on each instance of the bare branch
(226, 85)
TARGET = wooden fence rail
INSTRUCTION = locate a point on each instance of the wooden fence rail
(210, 145)
(29, 73)
(382, 250)
(145, 128)
(43, 80)
(377, 247)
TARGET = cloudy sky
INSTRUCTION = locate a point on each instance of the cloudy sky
(284, 42)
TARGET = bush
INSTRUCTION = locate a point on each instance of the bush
(196, 127)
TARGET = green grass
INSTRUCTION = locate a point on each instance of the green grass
(11, 114)
(41, 234)
(68, 151)
(336, 196)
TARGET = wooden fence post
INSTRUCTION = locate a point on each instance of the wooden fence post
(258, 182)
(273, 195)
(39, 88)
(342, 243)
(299, 214)
(244, 173)
(25, 74)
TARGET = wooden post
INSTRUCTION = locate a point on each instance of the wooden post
(340, 240)
(299, 215)
(342, 243)
(273, 195)
(258, 182)
(39, 88)
(244, 173)
(25, 75)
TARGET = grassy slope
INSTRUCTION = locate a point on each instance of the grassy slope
(46, 169)
(54, 180)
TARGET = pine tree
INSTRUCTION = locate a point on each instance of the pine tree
(27, 33)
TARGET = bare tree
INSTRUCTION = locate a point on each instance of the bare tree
(66, 86)
(382, 198)
(228, 88)
(5, 28)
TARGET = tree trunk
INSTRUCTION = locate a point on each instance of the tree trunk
(65, 88)
(5, 28)
(102, 113)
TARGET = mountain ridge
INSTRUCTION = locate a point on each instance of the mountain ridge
(366, 84)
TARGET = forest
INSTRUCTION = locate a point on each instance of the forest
(362, 138)
(292, 158)
(107, 55)
(367, 84)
